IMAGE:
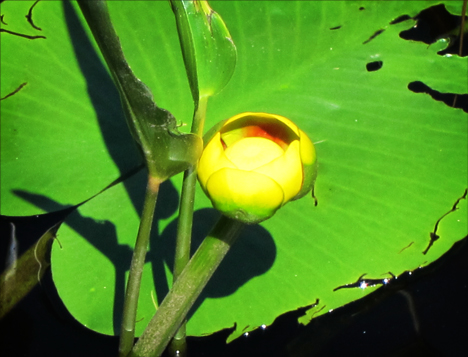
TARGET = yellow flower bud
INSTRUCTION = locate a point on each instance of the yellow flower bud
(254, 163)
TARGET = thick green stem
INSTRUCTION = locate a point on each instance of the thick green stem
(127, 331)
(184, 224)
(187, 288)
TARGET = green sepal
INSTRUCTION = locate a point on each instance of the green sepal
(310, 174)
(212, 132)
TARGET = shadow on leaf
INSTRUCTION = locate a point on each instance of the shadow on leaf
(105, 100)
(252, 255)
(102, 235)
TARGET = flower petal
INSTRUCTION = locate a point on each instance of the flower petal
(308, 155)
(267, 116)
(310, 174)
(213, 158)
(309, 163)
(244, 195)
(273, 127)
(250, 153)
(286, 171)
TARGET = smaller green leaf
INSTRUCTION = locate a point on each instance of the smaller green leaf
(209, 53)
(166, 150)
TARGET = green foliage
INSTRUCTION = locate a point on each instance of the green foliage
(167, 152)
(207, 47)
(391, 161)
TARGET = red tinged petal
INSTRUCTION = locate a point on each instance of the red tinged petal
(256, 126)
(271, 132)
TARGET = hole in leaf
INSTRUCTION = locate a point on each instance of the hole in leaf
(335, 28)
(452, 100)
(21, 35)
(29, 17)
(15, 91)
(376, 33)
(362, 8)
(374, 66)
(365, 283)
(400, 19)
(435, 23)
(434, 236)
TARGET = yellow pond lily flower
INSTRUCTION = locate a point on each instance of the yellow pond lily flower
(254, 163)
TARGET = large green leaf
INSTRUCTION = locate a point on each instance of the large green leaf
(391, 161)
(64, 134)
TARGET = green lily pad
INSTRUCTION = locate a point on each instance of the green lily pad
(391, 162)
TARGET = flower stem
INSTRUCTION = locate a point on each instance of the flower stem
(184, 224)
(127, 331)
(187, 288)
